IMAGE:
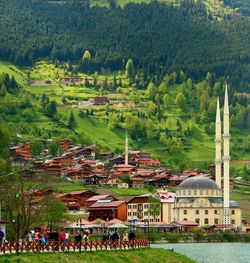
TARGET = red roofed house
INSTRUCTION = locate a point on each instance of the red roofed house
(76, 200)
(100, 100)
(167, 206)
(108, 210)
(137, 182)
(149, 162)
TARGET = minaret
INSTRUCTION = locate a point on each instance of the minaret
(126, 149)
(226, 161)
(218, 141)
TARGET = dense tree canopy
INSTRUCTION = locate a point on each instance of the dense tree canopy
(158, 38)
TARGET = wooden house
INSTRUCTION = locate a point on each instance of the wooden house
(100, 100)
(76, 200)
(108, 210)
(137, 182)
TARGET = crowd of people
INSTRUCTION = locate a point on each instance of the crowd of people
(80, 236)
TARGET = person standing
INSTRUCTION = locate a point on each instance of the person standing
(1, 236)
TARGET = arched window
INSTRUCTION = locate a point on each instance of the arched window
(185, 219)
(216, 221)
(185, 212)
(206, 221)
(197, 220)
(206, 212)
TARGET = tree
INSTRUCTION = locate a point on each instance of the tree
(3, 90)
(113, 120)
(126, 179)
(53, 212)
(36, 148)
(150, 129)
(86, 56)
(180, 101)
(151, 90)
(55, 148)
(166, 100)
(130, 69)
(157, 99)
(72, 122)
(154, 207)
(152, 108)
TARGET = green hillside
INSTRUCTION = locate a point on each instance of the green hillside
(178, 131)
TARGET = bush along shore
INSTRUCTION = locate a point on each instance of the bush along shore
(198, 236)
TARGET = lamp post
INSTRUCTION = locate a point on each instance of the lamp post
(146, 224)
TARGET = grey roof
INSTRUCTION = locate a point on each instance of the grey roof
(233, 204)
(185, 200)
(198, 182)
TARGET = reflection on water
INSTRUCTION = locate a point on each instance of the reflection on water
(212, 252)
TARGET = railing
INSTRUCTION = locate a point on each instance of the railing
(37, 246)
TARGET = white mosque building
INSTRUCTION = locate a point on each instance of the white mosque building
(203, 200)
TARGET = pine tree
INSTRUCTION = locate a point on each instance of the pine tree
(72, 121)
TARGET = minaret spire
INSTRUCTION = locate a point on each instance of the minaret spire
(226, 160)
(126, 148)
(218, 141)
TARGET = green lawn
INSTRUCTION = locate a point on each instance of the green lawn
(131, 256)
(129, 191)
(19, 75)
(68, 188)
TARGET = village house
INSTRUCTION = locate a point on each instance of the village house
(76, 200)
(121, 170)
(114, 181)
(167, 206)
(159, 180)
(100, 100)
(138, 208)
(149, 162)
(137, 182)
(108, 210)
(91, 179)
(20, 152)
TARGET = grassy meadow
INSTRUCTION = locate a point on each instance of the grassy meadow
(130, 256)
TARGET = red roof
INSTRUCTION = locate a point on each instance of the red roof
(137, 179)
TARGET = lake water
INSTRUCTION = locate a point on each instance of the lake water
(212, 252)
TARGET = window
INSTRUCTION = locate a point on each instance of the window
(233, 221)
(233, 212)
(197, 220)
(195, 192)
(185, 219)
(135, 206)
(185, 212)
(206, 221)
(189, 192)
(201, 192)
(134, 213)
(197, 212)
(206, 212)
(145, 205)
(216, 221)
(215, 212)
(145, 213)
(129, 214)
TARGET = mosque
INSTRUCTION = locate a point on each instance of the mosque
(203, 200)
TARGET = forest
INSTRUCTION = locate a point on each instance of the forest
(242, 5)
(159, 38)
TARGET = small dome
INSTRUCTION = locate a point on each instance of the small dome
(233, 204)
(198, 182)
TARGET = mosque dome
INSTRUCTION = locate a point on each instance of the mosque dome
(198, 182)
